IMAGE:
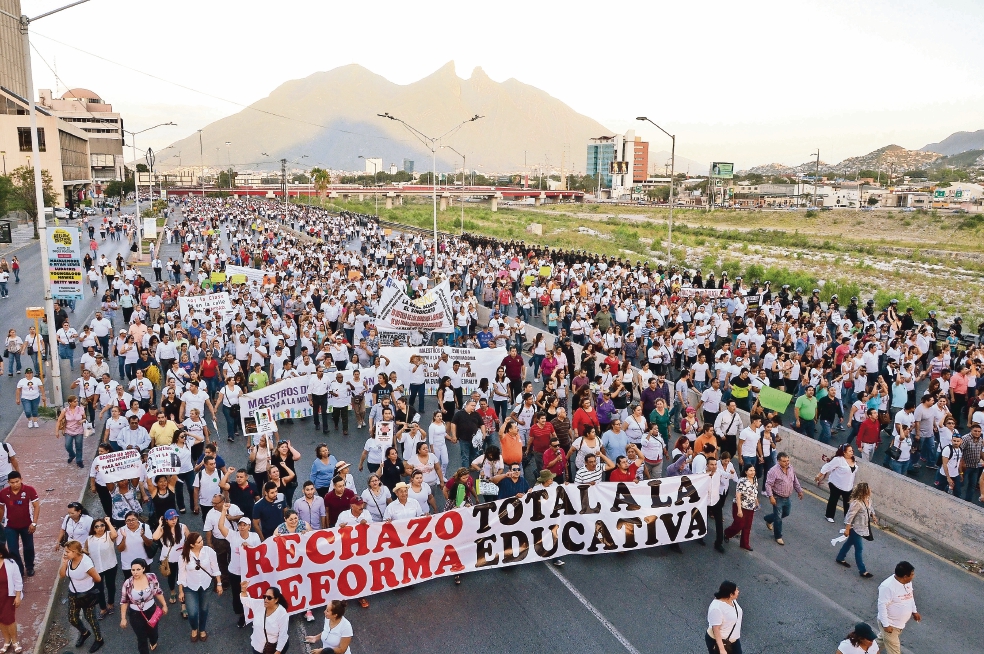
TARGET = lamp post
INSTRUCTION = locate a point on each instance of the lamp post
(138, 228)
(669, 230)
(201, 156)
(24, 23)
(431, 142)
(229, 158)
(462, 199)
(375, 193)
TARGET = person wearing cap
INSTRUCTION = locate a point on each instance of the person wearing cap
(861, 640)
(239, 537)
(403, 507)
(171, 534)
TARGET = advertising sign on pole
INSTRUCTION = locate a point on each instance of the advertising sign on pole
(65, 263)
(722, 170)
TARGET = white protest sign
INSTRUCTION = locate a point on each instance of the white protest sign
(194, 304)
(475, 364)
(431, 312)
(116, 466)
(163, 460)
(287, 398)
(385, 431)
(253, 275)
(264, 420)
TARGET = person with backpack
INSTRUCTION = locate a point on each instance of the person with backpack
(949, 477)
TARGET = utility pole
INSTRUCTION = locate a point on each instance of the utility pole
(201, 154)
(283, 185)
(816, 178)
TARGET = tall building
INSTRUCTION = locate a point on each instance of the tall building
(374, 165)
(621, 160)
(95, 117)
(12, 69)
(408, 166)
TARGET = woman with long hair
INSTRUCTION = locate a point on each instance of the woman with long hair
(101, 549)
(171, 534)
(137, 598)
(11, 581)
(271, 624)
(840, 472)
(446, 398)
(857, 528)
(197, 567)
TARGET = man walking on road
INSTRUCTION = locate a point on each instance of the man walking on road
(780, 484)
(896, 604)
(20, 513)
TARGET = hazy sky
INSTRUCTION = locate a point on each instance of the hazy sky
(753, 82)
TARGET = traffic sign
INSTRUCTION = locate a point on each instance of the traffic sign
(35, 312)
(939, 193)
(958, 194)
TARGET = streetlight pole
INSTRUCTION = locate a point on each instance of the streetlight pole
(462, 199)
(375, 192)
(229, 158)
(136, 184)
(40, 231)
(669, 230)
(201, 156)
(431, 142)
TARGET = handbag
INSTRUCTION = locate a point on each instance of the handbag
(871, 534)
(268, 647)
(85, 599)
(154, 618)
(894, 452)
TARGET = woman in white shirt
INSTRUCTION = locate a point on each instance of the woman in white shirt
(197, 568)
(724, 617)
(903, 441)
(859, 641)
(99, 545)
(271, 623)
(376, 495)
(841, 470)
(82, 593)
(437, 436)
(337, 634)
(422, 492)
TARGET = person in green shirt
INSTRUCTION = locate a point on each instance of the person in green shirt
(258, 378)
(806, 412)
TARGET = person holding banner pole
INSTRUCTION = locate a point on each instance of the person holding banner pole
(271, 624)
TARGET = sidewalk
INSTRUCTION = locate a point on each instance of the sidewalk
(41, 458)
(22, 234)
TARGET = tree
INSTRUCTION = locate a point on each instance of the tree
(321, 179)
(300, 178)
(118, 189)
(7, 199)
(658, 194)
(142, 168)
(23, 195)
(227, 179)
(873, 200)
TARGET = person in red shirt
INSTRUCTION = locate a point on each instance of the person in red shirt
(623, 471)
(540, 436)
(515, 370)
(869, 435)
(338, 500)
(20, 514)
(489, 416)
(555, 460)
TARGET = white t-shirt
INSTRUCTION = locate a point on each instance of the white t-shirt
(236, 542)
(846, 647)
(207, 485)
(30, 388)
(421, 497)
(332, 636)
(727, 617)
(79, 579)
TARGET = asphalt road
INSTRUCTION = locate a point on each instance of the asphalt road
(30, 292)
(796, 600)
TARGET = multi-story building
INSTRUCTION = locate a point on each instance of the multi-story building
(64, 147)
(618, 162)
(374, 165)
(95, 117)
(13, 74)
(408, 166)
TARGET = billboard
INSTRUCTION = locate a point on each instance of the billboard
(722, 169)
(618, 168)
(64, 263)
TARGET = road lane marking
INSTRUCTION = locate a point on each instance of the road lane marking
(589, 606)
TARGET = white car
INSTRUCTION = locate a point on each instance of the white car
(62, 213)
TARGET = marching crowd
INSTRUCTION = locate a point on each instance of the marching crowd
(641, 375)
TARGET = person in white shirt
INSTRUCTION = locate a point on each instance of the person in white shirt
(197, 567)
(241, 537)
(403, 507)
(860, 641)
(67, 342)
(896, 604)
(724, 617)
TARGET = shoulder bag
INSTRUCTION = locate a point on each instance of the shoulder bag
(268, 647)
(85, 599)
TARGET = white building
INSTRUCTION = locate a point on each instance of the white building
(373, 165)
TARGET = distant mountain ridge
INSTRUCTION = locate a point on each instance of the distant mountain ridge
(881, 159)
(333, 119)
(957, 143)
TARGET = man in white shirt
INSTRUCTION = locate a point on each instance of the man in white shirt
(896, 604)
(134, 436)
(193, 398)
(101, 329)
(67, 342)
(710, 402)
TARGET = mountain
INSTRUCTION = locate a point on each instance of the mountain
(332, 118)
(958, 142)
(880, 159)
(659, 164)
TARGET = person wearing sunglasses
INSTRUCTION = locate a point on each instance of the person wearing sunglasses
(270, 620)
(512, 482)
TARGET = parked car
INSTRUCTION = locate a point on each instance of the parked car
(61, 213)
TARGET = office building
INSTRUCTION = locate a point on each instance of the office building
(408, 166)
(12, 71)
(622, 160)
(374, 165)
(95, 117)
(64, 147)
(601, 154)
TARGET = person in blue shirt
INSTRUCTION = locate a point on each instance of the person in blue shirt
(268, 513)
(484, 337)
(511, 482)
(210, 450)
(323, 469)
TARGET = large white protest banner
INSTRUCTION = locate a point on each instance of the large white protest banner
(116, 466)
(253, 275)
(285, 399)
(688, 291)
(431, 312)
(193, 304)
(163, 460)
(476, 364)
(316, 567)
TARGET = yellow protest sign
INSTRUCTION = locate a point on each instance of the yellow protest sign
(238, 279)
(217, 277)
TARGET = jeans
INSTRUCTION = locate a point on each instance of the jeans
(824, 436)
(808, 428)
(73, 445)
(3, 289)
(31, 407)
(11, 534)
(65, 352)
(15, 361)
(230, 422)
(417, 391)
(857, 542)
(197, 603)
(537, 360)
(467, 452)
(900, 467)
(779, 511)
(972, 477)
(941, 483)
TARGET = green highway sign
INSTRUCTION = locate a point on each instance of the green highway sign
(939, 193)
(958, 194)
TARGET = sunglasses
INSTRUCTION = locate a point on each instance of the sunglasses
(269, 597)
